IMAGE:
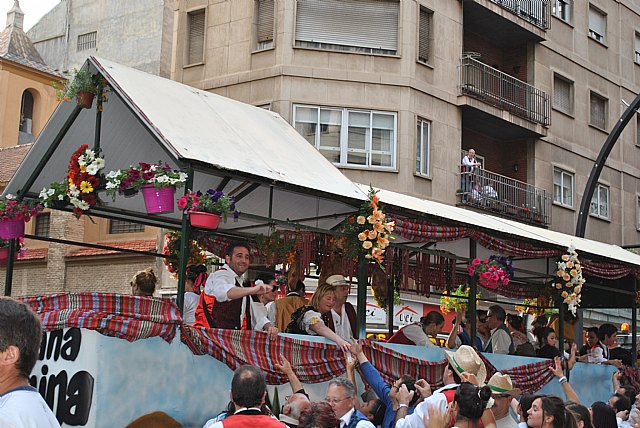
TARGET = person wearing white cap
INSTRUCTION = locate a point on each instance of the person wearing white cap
(343, 312)
(503, 392)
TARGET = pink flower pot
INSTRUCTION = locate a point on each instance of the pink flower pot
(158, 200)
(4, 254)
(11, 228)
(204, 220)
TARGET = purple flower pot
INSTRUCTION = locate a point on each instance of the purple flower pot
(11, 228)
(158, 200)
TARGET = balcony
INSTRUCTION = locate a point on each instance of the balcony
(537, 12)
(504, 196)
(493, 87)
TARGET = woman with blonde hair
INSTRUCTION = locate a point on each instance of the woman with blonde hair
(144, 283)
(315, 318)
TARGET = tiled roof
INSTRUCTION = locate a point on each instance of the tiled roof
(10, 160)
(141, 245)
(36, 253)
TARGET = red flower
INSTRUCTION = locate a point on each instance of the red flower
(182, 202)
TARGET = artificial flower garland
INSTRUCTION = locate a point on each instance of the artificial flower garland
(569, 280)
(375, 239)
(456, 300)
(491, 272)
(83, 179)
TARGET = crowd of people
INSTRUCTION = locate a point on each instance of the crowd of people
(467, 399)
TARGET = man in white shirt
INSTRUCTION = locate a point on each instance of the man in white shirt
(233, 307)
(21, 406)
(341, 397)
(503, 392)
(500, 341)
(468, 169)
(343, 312)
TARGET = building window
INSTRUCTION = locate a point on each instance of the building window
(562, 94)
(366, 26)
(423, 147)
(598, 108)
(43, 225)
(87, 41)
(638, 130)
(349, 137)
(637, 49)
(562, 9)
(265, 23)
(600, 202)
(562, 187)
(597, 24)
(196, 24)
(25, 134)
(122, 226)
(424, 35)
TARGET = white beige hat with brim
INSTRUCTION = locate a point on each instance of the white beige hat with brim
(336, 280)
(466, 359)
(501, 384)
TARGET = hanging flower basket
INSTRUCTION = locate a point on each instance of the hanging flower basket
(158, 200)
(85, 99)
(204, 220)
(11, 228)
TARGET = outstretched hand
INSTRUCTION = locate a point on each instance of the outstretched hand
(556, 367)
(284, 365)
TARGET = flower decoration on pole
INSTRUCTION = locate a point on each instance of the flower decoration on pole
(374, 232)
(569, 280)
(55, 196)
(456, 300)
(129, 181)
(196, 255)
(83, 179)
(14, 214)
(492, 272)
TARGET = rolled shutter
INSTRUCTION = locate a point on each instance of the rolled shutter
(196, 22)
(360, 23)
(424, 35)
(265, 20)
(562, 95)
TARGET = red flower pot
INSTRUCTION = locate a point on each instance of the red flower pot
(85, 99)
(4, 254)
(11, 228)
(204, 220)
(158, 200)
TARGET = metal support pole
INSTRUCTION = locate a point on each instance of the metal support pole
(8, 278)
(363, 282)
(97, 132)
(473, 286)
(634, 323)
(184, 242)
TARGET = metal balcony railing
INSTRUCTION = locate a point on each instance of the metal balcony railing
(537, 12)
(494, 87)
(506, 196)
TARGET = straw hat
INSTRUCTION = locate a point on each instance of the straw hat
(336, 280)
(465, 359)
(501, 384)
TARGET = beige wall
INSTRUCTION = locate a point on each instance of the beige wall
(14, 80)
(286, 75)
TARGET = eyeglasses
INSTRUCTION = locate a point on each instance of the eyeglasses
(490, 315)
(482, 319)
(334, 400)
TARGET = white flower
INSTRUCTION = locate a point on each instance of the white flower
(113, 174)
(99, 163)
(153, 167)
(43, 193)
(90, 154)
(61, 197)
(82, 160)
(111, 185)
(92, 169)
(9, 196)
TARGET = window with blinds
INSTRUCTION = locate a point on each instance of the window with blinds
(196, 24)
(598, 108)
(562, 94)
(366, 26)
(424, 35)
(637, 48)
(43, 225)
(265, 23)
(87, 41)
(597, 24)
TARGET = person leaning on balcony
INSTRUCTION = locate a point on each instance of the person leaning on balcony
(469, 165)
(419, 333)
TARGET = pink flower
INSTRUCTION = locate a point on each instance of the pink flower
(19, 216)
(471, 269)
(505, 281)
(475, 261)
(182, 202)
(485, 275)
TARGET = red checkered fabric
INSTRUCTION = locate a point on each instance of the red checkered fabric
(421, 231)
(125, 317)
(607, 270)
(632, 375)
(530, 378)
(514, 248)
(313, 362)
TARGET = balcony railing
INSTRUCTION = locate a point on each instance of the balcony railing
(494, 87)
(537, 12)
(505, 196)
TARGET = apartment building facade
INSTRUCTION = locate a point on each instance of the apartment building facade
(394, 92)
